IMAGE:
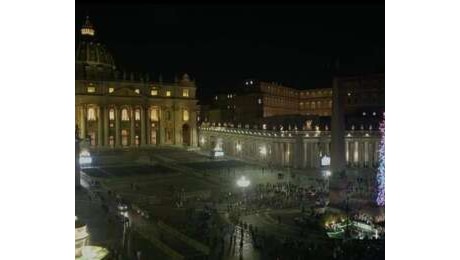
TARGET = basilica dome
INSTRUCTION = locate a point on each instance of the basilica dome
(94, 54)
(93, 60)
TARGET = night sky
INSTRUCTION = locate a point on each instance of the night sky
(222, 45)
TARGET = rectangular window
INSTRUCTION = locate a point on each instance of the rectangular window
(111, 114)
(154, 92)
(124, 115)
(168, 93)
(91, 114)
(185, 115)
(111, 90)
(137, 115)
(154, 115)
(185, 93)
(138, 91)
(91, 89)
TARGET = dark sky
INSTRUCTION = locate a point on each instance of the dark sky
(222, 45)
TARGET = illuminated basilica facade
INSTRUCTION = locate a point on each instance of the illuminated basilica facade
(114, 110)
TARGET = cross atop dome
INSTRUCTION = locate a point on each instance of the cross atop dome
(87, 28)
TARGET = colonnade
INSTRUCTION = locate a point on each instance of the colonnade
(297, 152)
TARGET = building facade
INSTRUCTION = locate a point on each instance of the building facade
(255, 100)
(114, 110)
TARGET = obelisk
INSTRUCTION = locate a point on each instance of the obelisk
(338, 163)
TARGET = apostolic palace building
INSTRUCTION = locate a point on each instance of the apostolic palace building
(113, 109)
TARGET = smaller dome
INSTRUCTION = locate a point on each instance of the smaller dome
(87, 28)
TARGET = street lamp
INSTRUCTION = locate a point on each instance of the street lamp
(243, 183)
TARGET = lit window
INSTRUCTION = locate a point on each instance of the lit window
(154, 114)
(154, 92)
(185, 115)
(111, 90)
(91, 114)
(137, 91)
(301, 104)
(364, 113)
(349, 94)
(137, 115)
(168, 93)
(185, 93)
(91, 89)
(124, 115)
(374, 114)
(111, 114)
(259, 101)
(215, 98)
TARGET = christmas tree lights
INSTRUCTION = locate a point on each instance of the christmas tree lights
(381, 168)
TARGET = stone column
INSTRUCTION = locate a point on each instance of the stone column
(161, 127)
(282, 154)
(376, 153)
(347, 152)
(149, 126)
(106, 126)
(132, 131)
(366, 154)
(351, 148)
(317, 151)
(117, 127)
(305, 154)
(142, 139)
(100, 142)
(83, 122)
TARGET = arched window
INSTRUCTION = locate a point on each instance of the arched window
(124, 115)
(137, 115)
(91, 114)
(111, 114)
(185, 115)
(154, 114)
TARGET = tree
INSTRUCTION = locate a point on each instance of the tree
(381, 168)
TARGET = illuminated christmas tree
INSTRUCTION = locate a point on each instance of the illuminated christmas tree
(381, 168)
